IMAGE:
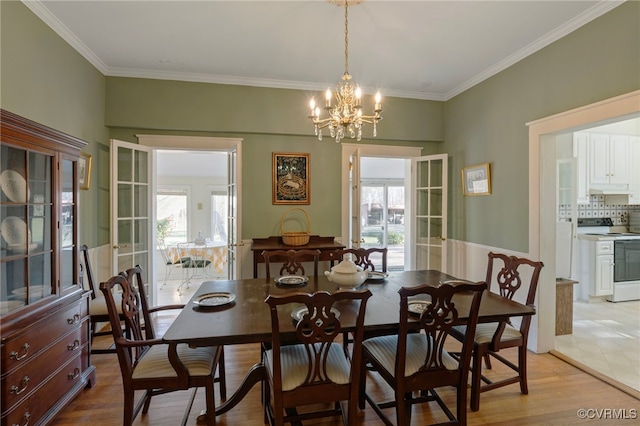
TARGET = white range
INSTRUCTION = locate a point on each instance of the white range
(609, 261)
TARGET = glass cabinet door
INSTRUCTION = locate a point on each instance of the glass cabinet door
(26, 204)
(67, 230)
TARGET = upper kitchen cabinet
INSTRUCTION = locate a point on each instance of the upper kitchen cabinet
(609, 160)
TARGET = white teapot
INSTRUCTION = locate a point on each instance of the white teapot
(347, 274)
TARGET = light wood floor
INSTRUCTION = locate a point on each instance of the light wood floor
(557, 391)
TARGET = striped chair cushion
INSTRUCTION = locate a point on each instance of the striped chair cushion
(98, 306)
(293, 360)
(155, 363)
(485, 332)
(384, 349)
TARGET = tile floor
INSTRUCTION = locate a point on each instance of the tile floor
(606, 338)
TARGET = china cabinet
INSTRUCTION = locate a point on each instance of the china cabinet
(44, 322)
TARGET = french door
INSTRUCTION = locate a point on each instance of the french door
(429, 225)
(131, 197)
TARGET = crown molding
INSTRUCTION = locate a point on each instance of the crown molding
(40, 10)
(596, 11)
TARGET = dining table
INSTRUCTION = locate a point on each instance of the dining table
(215, 252)
(244, 317)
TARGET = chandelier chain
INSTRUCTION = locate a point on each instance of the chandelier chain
(346, 37)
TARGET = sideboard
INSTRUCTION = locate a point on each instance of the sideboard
(326, 245)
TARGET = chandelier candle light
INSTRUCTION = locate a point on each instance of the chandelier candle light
(346, 115)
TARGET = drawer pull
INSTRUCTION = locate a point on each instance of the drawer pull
(75, 374)
(74, 346)
(74, 320)
(18, 357)
(14, 390)
(26, 417)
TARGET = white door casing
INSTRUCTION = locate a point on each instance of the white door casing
(232, 146)
(350, 213)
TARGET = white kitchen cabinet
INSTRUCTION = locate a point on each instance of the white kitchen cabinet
(634, 169)
(604, 272)
(581, 152)
(608, 159)
(596, 267)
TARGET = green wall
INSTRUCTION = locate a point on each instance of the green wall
(260, 218)
(487, 122)
(42, 78)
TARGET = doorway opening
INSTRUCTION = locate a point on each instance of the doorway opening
(542, 199)
(191, 209)
(382, 207)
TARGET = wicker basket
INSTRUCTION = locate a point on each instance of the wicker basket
(299, 238)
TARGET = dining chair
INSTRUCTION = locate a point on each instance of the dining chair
(192, 262)
(510, 275)
(363, 257)
(98, 314)
(169, 264)
(292, 261)
(148, 364)
(311, 368)
(414, 363)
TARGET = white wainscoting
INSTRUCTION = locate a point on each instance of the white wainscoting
(100, 259)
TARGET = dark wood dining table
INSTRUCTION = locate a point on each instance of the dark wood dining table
(247, 318)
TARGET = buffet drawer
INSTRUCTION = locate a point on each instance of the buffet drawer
(20, 383)
(40, 402)
(33, 340)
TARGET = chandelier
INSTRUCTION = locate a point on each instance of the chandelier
(345, 114)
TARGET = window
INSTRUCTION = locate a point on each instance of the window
(219, 216)
(171, 206)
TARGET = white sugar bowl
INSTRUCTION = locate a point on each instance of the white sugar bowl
(347, 274)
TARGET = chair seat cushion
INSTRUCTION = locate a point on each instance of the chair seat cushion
(98, 306)
(155, 363)
(293, 360)
(485, 332)
(385, 348)
(197, 263)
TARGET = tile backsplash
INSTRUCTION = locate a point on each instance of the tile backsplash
(619, 213)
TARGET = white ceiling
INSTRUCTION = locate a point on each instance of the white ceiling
(414, 49)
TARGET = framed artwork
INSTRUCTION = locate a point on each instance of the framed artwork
(84, 170)
(476, 180)
(290, 178)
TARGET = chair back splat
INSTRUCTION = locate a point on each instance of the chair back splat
(307, 366)
(415, 362)
(291, 261)
(363, 257)
(510, 274)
